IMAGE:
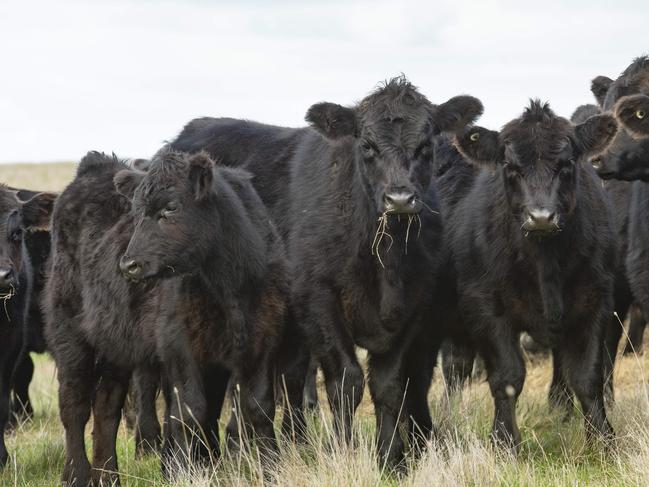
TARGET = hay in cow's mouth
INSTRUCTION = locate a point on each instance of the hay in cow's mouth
(378, 237)
(382, 231)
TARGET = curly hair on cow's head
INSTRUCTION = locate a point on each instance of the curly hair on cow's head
(391, 96)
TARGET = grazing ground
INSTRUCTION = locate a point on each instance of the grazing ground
(553, 453)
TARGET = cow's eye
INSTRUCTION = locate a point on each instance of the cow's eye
(169, 210)
(369, 149)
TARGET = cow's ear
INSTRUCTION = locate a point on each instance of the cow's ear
(37, 211)
(594, 135)
(331, 120)
(201, 167)
(599, 86)
(141, 164)
(126, 181)
(632, 112)
(480, 146)
(458, 112)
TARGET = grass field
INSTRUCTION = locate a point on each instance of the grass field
(553, 452)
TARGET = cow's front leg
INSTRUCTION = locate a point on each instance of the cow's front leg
(146, 382)
(107, 410)
(582, 352)
(334, 349)
(254, 411)
(500, 348)
(186, 442)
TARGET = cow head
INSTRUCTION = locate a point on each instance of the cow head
(391, 132)
(538, 156)
(627, 157)
(171, 211)
(16, 218)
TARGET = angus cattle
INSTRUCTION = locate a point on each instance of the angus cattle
(16, 281)
(627, 159)
(178, 266)
(352, 196)
(533, 250)
(266, 152)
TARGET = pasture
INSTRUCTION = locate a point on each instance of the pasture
(553, 451)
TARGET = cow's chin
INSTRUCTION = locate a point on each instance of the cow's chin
(541, 235)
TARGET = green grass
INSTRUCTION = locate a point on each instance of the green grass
(554, 450)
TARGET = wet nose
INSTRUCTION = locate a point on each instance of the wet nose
(129, 267)
(400, 202)
(540, 220)
(6, 277)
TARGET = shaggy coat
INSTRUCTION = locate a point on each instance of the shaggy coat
(353, 196)
(208, 302)
(533, 249)
(17, 218)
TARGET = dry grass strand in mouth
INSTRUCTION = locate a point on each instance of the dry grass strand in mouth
(411, 218)
(6, 297)
(378, 237)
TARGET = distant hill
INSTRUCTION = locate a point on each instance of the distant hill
(46, 177)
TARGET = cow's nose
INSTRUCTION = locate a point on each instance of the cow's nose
(6, 277)
(400, 202)
(129, 267)
(540, 220)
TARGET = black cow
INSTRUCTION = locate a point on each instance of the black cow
(533, 249)
(16, 281)
(627, 159)
(352, 195)
(204, 293)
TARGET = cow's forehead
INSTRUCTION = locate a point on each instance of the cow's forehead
(531, 142)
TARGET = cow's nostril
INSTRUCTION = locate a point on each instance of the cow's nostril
(130, 267)
(412, 199)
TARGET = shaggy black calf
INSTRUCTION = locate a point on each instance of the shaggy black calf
(533, 247)
(204, 294)
(16, 282)
(233, 270)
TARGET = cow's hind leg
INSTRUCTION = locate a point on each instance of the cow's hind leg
(293, 358)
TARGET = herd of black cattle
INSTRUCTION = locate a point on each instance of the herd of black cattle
(243, 255)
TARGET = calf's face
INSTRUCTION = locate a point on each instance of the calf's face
(539, 155)
(171, 215)
(627, 157)
(392, 132)
(17, 217)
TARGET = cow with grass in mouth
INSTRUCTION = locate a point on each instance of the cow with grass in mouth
(364, 244)
(17, 217)
(534, 250)
(352, 196)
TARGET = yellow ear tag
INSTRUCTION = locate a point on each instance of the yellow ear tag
(640, 114)
(474, 136)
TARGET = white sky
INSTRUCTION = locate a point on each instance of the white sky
(125, 75)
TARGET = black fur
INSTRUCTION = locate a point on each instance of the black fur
(17, 218)
(327, 187)
(556, 283)
(209, 301)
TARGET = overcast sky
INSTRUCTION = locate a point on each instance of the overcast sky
(125, 75)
